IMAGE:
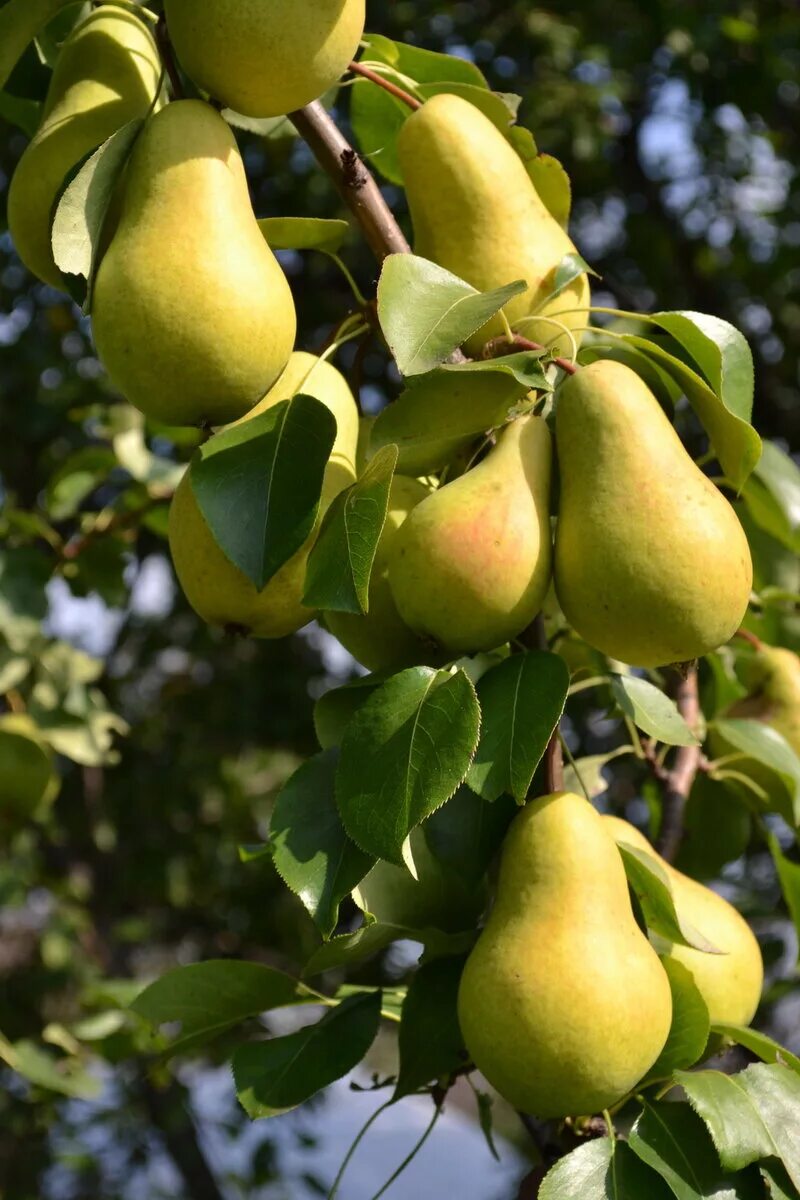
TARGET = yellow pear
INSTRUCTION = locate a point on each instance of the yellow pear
(216, 589)
(730, 982)
(193, 317)
(775, 676)
(27, 775)
(264, 58)
(107, 74)
(564, 1005)
(471, 565)
(651, 564)
(477, 213)
(380, 640)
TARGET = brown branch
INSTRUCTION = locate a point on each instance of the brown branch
(353, 181)
(116, 524)
(679, 779)
(747, 636)
(168, 58)
(500, 346)
(391, 88)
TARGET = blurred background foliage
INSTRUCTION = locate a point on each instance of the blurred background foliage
(679, 124)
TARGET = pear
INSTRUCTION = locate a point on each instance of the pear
(380, 640)
(651, 564)
(730, 982)
(27, 776)
(775, 676)
(563, 1004)
(471, 565)
(107, 74)
(477, 213)
(216, 589)
(264, 58)
(193, 317)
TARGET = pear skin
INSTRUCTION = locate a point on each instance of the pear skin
(264, 58)
(107, 74)
(216, 589)
(193, 317)
(477, 213)
(470, 566)
(380, 640)
(563, 1004)
(651, 564)
(730, 982)
(775, 675)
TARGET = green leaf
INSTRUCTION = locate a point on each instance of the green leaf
(651, 711)
(775, 1093)
(521, 700)
(789, 876)
(722, 354)
(553, 185)
(440, 413)
(340, 564)
(736, 1129)
(672, 1140)
(736, 444)
(210, 997)
(426, 313)
(17, 110)
(779, 1185)
(20, 21)
(690, 1027)
(403, 755)
(652, 887)
(765, 1047)
(601, 1170)
(761, 742)
(717, 828)
(275, 1076)
(258, 484)
(304, 233)
(76, 479)
(24, 575)
(430, 1043)
(312, 853)
(466, 832)
(349, 949)
(65, 1076)
(84, 205)
(777, 477)
(334, 711)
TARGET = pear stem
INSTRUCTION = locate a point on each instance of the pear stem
(681, 775)
(392, 88)
(352, 180)
(747, 636)
(500, 346)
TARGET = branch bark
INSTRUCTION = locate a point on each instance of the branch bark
(678, 780)
(352, 180)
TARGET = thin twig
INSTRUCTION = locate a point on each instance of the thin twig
(500, 346)
(168, 58)
(535, 637)
(353, 181)
(115, 524)
(392, 88)
(681, 775)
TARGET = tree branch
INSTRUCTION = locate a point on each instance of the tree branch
(353, 181)
(392, 88)
(500, 346)
(678, 780)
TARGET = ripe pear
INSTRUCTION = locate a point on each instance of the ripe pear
(27, 775)
(216, 589)
(264, 58)
(564, 1005)
(730, 982)
(775, 676)
(651, 564)
(380, 640)
(193, 317)
(471, 565)
(477, 213)
(107, 74)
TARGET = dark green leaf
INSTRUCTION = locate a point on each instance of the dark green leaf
(312, 852)
(304, 233)
(430, 1042)
(334, 711)
(651, 711)
(759, 741)
(736, 1129)
(466, 833)
(20, 21)
(651, 884)
(689, 1030)
(789, 876)
(426, 312)
(403, 755)
(258, 484)
(348, 949)
(521, 701)
(775, 1093)
(23, 113)
(275, 1076)
(717, 828)
(340, 564)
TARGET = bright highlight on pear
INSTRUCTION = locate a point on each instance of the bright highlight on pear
(264, 58)
(477, 213)
(730, 982)
(107, 74)
(651, 564)
(216, 589)
(564, 1005)
(470, 567)
(193, 317)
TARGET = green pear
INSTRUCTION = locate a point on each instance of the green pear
(730, 982)
(27, 776)
(264, 58)
(380, 640)
(471, 565)
(564, 1005)
(216, 589)
(775, 676)
(107, 74)
(477, 213)
(651, 564)
(193, 317)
